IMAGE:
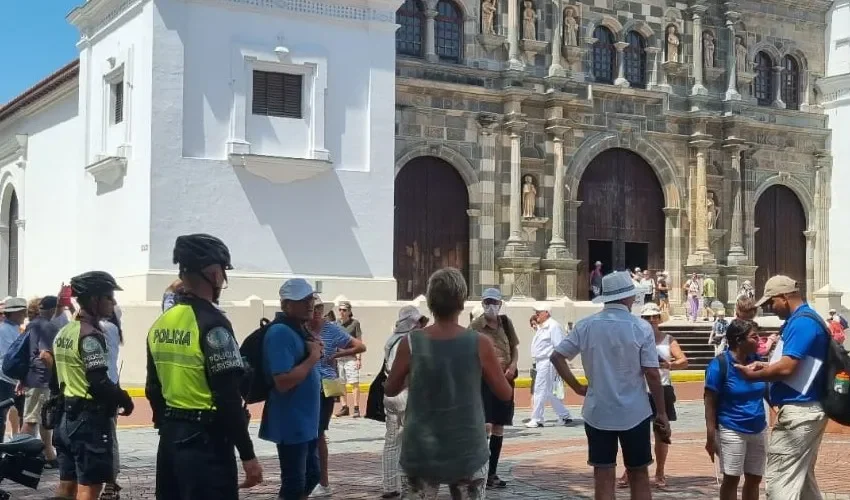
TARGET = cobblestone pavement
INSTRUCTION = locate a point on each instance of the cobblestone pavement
(545, 463)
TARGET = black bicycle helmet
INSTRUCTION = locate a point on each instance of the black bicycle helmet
(193, 252)
(93, 283)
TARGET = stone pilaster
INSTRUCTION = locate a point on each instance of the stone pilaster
(556, 128)
(702, 253)
(697, 11)
(514, 60)
(515, 246)
(621, 65)
(822, 207)
(811, 239)
(777, 88)
(732, 17)
(737, 255)
(430, 31)
(673, 253)
(487, 219)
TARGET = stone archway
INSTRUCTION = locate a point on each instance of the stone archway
(431, 223)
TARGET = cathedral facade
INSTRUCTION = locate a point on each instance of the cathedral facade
(537, 137)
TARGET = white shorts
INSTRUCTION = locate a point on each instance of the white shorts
(348, 371)
(740, 453)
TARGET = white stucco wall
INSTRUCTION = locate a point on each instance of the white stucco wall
(339, 223)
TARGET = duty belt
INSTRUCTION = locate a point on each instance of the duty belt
(205, 417)
(75, 406)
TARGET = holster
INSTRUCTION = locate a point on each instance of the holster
(53, 408)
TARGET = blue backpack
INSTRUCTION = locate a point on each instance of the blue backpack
(16, 362)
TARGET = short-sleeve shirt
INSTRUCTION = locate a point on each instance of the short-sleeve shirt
(334, 338)
(290, 417)
(503, 340)
(709, 288)
(352, 328)
(801, 337)
(615, 347)
(739, 401)
(42, 332)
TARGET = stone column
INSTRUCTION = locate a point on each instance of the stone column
(555, 68)
(731, 59)
(702, 252)
(736, 254)
(621, 65)
(557, 245)
(652, 55)
(487, 183)
(805, 81)
(514, 60)
(515, 245)
(673, 253)
(697, 12)
(777, 88)
(822, 205)
(430, 31)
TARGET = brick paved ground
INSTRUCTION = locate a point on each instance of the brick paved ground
(540, 463)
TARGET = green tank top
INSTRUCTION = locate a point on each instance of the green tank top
(444, 438)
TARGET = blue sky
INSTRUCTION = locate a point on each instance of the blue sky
(36, 41)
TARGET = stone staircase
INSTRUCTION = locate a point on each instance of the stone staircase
(693, 338)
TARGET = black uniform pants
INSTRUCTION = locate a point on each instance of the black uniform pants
(84, 448)
(194, 463)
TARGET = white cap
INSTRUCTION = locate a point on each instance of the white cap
(492, 294)
(650, 309)
(295, 289)
(542, 307)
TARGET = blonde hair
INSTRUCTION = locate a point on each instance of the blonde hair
(33, 307)
(745, 308)
(446, 292)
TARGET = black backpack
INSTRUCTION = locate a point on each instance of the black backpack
(255, 385)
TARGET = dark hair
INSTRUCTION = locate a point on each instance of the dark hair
(117, 322)
(737, 331)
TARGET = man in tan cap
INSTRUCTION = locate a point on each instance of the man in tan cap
(797, 376)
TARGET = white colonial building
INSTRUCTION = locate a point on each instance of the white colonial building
(268, 123)
(835, 90)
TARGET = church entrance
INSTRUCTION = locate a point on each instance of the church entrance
(431, 224)
(780, 245)
(621, 218)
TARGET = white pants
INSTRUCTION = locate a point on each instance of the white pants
(543, 386)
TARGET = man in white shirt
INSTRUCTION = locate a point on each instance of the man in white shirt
(549, 334)
(619, 358)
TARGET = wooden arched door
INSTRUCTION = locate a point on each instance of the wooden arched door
(780, 245)
(621, 217)
(431, 223)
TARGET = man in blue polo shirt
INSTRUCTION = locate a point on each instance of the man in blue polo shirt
(797, 376)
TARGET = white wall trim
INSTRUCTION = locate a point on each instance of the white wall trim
(366, 11)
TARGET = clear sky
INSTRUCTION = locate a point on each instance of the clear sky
(36, 41)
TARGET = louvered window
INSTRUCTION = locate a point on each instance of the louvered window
(117, 102)
(277, 94)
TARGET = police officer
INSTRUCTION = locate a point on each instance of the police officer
(85, 431)
(193, 382)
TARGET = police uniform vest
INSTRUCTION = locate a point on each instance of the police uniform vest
(70, 368)
(174, 342)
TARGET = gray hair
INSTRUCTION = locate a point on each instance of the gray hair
(446, 292)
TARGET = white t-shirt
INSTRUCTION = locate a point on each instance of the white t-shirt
(615, 347)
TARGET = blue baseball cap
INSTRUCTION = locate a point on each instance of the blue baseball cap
(296, 289)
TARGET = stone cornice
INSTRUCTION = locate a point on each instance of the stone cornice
(834, 88)
(94, 15)
(380, 11)
(12, 148)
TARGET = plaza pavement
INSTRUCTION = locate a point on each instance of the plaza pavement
(547, 463)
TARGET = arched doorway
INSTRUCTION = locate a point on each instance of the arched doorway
(9, 209)
(780, 245)
(621, 218)
(431, 223)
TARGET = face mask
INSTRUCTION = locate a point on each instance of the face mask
(491, 310)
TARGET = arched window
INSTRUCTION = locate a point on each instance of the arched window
(604, 55)
(763, 83)
(790, 83)
(449, 26)
(13, 245)
(635, 60)
(408, 38)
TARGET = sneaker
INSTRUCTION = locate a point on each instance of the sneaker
(533, 424)
(356, 412)
(494, 482)
(567, 420)
(111, 492)
(343, 412)
(321, 491)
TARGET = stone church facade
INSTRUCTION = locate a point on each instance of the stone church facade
(541, 106)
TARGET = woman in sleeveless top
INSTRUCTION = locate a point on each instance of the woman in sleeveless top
(444, 441)
(670, 357)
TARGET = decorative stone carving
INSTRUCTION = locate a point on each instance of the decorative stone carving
(570, 28)
(708, 50)
(488, 15)
(529, 197)
(529, 21)
(740, 55)
(672, 44)
(712, 210)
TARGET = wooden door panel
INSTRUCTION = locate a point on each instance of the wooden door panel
(780, 244)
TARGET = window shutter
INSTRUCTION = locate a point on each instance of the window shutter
(119, 102)
(292, 85)
(260, 102)
(277, 94)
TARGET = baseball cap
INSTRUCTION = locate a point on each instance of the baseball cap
(48, 302)
(492, 294)
(777, 285)
(295, 289)
(542, 307)
(344, 304)
(15, 304)
(650, 309)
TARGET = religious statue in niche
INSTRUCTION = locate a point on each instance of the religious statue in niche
(740, 55)
(488, 16)
(712, 210)
(708, 49)
(570, 28)
(672, 44)
(529, 25)
(529, 197)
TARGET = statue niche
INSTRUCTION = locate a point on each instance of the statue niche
(740, 55)
(672, 44)
(712, 210)
(488, 17)
(570, 28)
(529, 197)
(708, 45)
(529, 21)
